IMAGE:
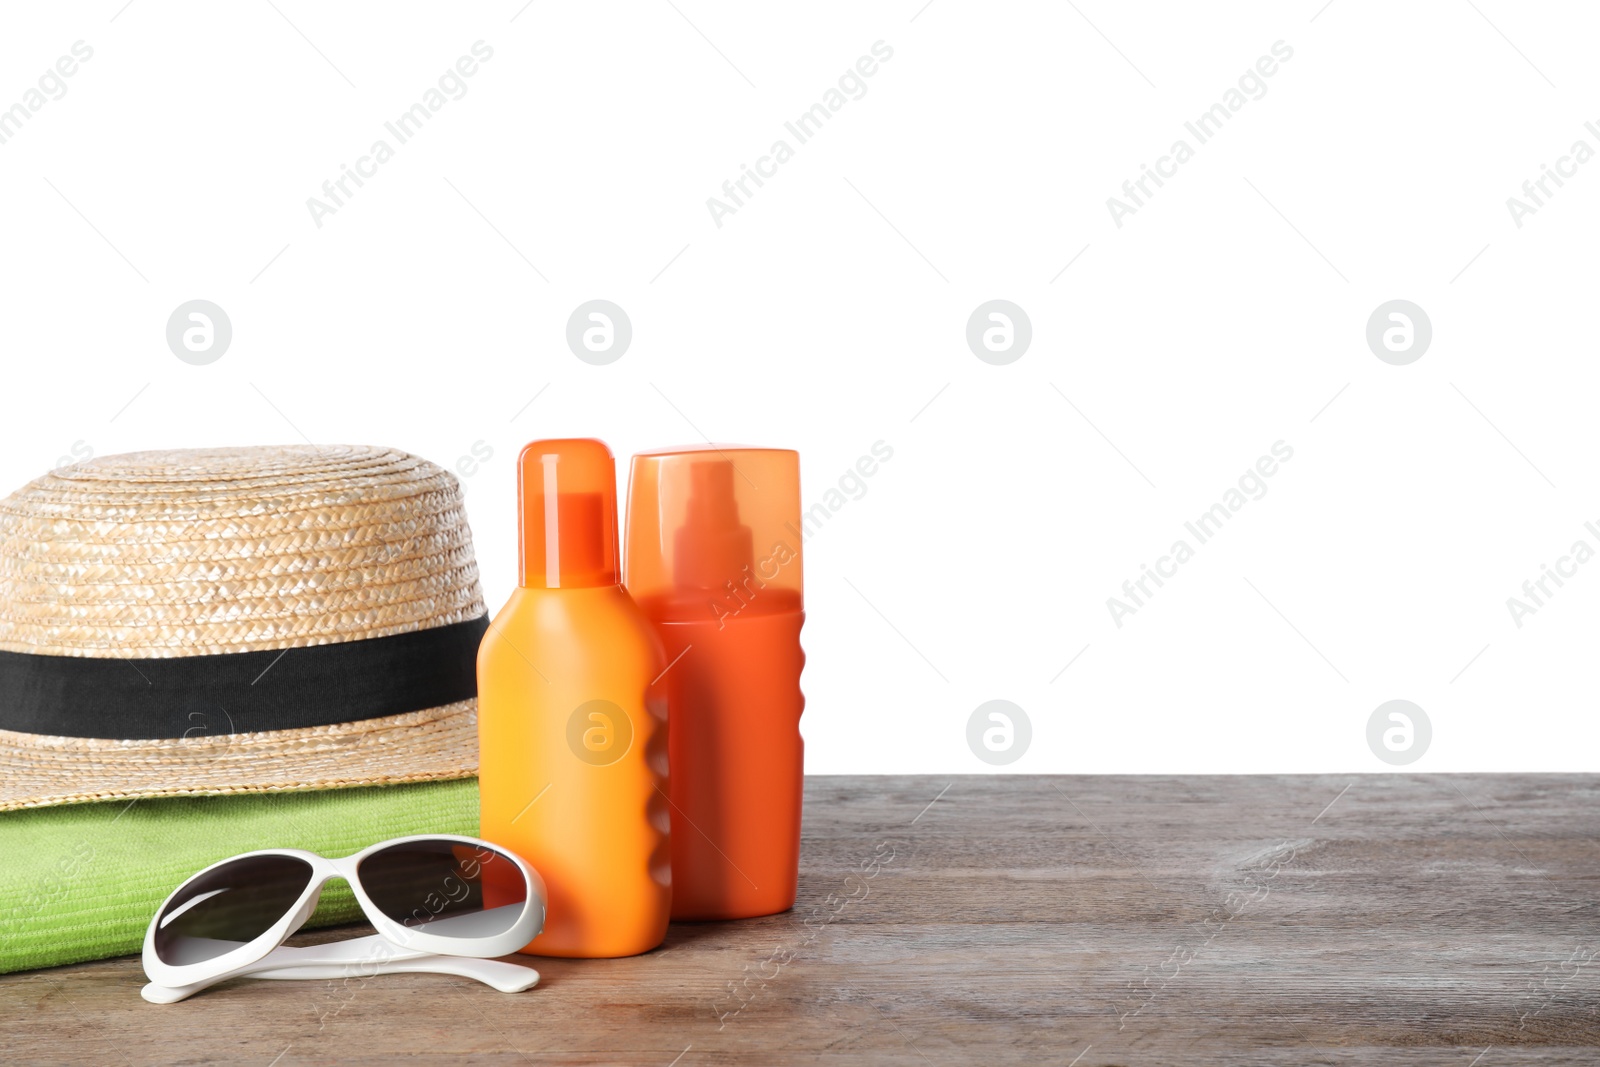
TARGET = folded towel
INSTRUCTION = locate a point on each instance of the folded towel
(80, 881)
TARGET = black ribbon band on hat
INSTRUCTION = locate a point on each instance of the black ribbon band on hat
(240, 692)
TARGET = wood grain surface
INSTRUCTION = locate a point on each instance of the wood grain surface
(1395, 919)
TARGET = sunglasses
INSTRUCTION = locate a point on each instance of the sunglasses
(440, 904)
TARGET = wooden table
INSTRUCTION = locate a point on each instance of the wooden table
(1395, 919)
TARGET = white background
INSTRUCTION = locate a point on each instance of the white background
(829, 313)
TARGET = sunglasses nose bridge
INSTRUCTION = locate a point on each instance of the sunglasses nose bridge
(344, 866)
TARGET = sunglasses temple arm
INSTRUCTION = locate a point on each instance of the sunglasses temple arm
(506, 977)
(355, 955)
(357, 958)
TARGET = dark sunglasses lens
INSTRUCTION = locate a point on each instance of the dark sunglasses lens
(229, 906)
(449, 888)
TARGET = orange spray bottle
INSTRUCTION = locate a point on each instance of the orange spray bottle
(572, 745)
(713, 558)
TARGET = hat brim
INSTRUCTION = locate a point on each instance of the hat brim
(38, 770)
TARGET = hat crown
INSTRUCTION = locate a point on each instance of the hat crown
(206, 551)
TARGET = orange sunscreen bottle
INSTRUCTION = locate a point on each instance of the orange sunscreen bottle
(572, 750)
(713, 558)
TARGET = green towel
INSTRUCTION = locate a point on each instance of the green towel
(80, 881)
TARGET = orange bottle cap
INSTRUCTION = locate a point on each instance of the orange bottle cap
(567, 518)
(713, 521)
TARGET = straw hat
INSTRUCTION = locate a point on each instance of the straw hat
(235, 620)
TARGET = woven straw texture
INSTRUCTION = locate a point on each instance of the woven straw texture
(200, 552)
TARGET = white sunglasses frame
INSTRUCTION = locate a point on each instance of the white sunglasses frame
(413, 943)
(359, 958)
